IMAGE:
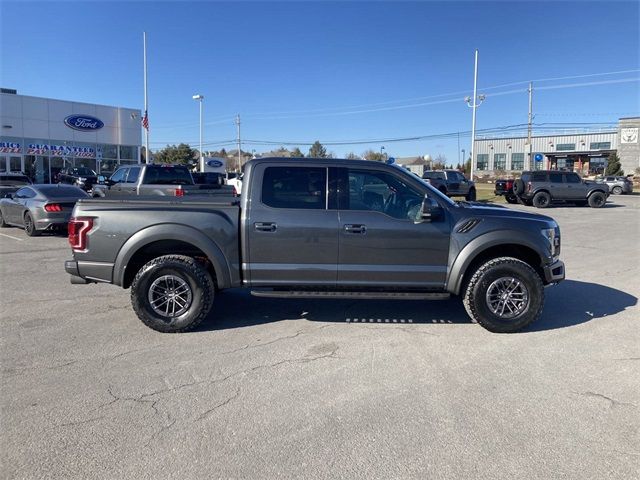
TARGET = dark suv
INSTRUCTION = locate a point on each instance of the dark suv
(82, 177)
(541, 188)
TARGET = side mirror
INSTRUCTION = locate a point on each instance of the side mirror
(9, 195)
(430, 210)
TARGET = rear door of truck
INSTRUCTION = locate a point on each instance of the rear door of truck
(291, 234)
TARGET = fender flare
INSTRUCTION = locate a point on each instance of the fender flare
(482, 243)
(177, 232)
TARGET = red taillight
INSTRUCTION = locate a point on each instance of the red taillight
(179, 192)
(53, 207)
(509, 184)
(235, 192)
(78, 229)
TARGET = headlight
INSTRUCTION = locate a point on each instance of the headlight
(553, 237)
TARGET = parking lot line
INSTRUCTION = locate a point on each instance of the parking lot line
(9, 236)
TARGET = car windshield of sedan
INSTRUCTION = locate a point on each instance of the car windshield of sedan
(60, 191)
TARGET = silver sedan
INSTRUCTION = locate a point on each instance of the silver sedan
(39, 207)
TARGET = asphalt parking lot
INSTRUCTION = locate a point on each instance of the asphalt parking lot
(320, 389)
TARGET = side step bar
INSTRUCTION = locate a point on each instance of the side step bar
(346, 294)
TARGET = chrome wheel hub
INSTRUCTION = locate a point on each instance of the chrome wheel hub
(170, 296)
(507, 297)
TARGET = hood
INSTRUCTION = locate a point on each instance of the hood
(480, 209)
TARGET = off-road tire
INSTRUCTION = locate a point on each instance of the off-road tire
(616, 190)
(518, 187)
(541, 200)
(597, 200)
(474, 299)
(511, 199)
(30, 226)
(3, 224)
(188, 270)
(471, 196)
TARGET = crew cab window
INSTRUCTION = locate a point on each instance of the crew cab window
(134, 173)
(434, 175)
(381, 192)
(119, 175)
(167, 175)
(573, 178)
(555, 177)
(295, 187)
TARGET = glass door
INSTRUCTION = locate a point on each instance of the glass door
(3, 164)
(16, 164)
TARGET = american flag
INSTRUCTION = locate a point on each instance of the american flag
(145, 120)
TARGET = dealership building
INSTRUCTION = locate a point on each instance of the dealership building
(580, 150)
(41, 136)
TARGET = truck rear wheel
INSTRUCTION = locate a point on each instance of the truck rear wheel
(504, 295)
(541, 200)
(172, 293)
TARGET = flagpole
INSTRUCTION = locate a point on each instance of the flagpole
(147, 156)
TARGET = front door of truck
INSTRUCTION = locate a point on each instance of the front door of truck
(381, 244)
(291, 236)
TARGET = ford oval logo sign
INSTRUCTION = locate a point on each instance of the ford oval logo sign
(214, 163)
(84, 123)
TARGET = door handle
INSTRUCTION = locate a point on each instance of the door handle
(350, 228)
(265, 227)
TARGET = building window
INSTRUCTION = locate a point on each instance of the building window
(600, 146)
(108, 151)
(127, 152)
(499, 161)
(563, 147)
(482, 161)
(517, 161)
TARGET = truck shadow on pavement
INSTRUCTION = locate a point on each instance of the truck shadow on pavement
(567, 304)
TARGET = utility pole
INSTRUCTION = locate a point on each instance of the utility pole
(239, 144)
(477, 101)
(458, 147)
(530, 125)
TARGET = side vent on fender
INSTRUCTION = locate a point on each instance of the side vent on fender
(468, 225)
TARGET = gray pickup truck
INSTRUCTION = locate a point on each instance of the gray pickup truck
(320, 228)
(452, 183)
(152, 179)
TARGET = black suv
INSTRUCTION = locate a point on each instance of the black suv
(541, 188)
(82, 177)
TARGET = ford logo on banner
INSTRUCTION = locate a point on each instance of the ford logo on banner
(84, 123)
(214, 163)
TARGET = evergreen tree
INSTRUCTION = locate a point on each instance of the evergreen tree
(182, 153)
(317, 150)
(613, 166)
(297, 153)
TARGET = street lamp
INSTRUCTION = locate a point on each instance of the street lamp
(474, 105)
(200, 98)
(381, 154)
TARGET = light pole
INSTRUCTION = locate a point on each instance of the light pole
(382, 156)
(464, 160)
(474, 105)
(200, 98)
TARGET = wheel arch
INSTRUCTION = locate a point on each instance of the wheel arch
(493, 245)
(167, 239)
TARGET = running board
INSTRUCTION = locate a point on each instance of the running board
(358, 294)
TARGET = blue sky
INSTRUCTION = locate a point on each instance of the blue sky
(332, 71)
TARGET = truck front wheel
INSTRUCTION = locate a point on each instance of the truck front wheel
(172, 293)
(504, 295)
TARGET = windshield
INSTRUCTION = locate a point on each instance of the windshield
(432, 191)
